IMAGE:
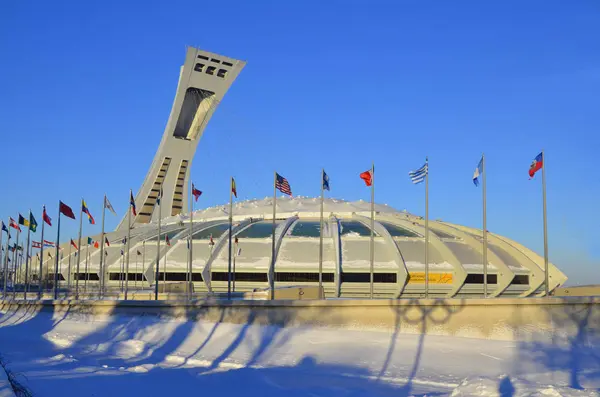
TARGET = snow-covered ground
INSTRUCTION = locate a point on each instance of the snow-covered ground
(77, 355)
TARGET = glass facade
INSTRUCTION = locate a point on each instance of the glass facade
(397, 231)
(355, 228)
(259, 230)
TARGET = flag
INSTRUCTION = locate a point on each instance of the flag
(536, 165)
(236, 240)
(4, 228)
(132, 203)
(367, 176)
(122, 253)
(36, 244)
(124, 241)
(106, 241)
(32, 223)
(65, 210)
(50, 254)
(282, 185)
(138, 252)
(14, 224)
(478, 172)
(233, 187)
(325, 181)
(195, 192)
(90, 241)
(96, 244)
(23, 221)
(46, 217)
(160, 193)
(48, 243)
(211, 242)
(167, 240)
(85, 210)
(419, 175)
(73, 244)
(108, 206)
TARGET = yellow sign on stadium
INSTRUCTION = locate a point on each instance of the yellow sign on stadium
(434, 278)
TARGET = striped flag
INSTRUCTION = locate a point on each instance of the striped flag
(46, 218)
(132, 203)
(478, 172)
(73, 244)
(419, 175)
(13, 224)
(86, 211)
(282, 185)
(195, 192)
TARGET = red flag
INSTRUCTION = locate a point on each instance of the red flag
(367, 176)
(14, 224)
(96, 244)
(211, 242)
(167, 240)
(73, 244)
(106, 241)
(195, 192)
(66, 210)
(46, 218)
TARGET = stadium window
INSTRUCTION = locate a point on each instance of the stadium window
(521, 279)
(302, 277)
(210, 70)
(203, 57)
(227, 63)
(386, 278)
(222, 73)
(478, 279)
(215, 60)
(198, 67)
(247, 277)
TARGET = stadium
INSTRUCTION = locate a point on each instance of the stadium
(455, 252)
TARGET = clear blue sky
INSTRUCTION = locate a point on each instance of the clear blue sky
(86, 90)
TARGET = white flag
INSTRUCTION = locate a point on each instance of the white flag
(108, 206)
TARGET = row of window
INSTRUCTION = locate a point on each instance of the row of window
(199, 67)
(215, 60)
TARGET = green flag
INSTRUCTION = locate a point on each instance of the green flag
(32, 223)
(90, 241)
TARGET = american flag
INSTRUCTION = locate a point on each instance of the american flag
(282, 185)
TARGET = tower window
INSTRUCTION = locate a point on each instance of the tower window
(227, 63)
(215, 60)
(222, 73)
(210, 70)
(198, 67)
(203, 57)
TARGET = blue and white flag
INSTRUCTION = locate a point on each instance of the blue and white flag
(419, 175)
(325, 181)
(478, 172)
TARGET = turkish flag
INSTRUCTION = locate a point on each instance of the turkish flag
(367, 176)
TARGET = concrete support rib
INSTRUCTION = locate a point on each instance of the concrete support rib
(530, 260)
(460, 274)
(279, 234)
(219, 244)
(203, 81)
(334, 227)
(504, 274)
(402, 273)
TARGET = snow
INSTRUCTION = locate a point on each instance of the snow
(80, 355)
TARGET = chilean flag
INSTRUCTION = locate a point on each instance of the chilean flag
(367, 176)
(536, 165)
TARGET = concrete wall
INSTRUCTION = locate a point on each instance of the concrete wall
(500, 318)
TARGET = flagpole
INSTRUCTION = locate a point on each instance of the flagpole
(234, 255)
(229, 255)
(56, 256)
(321, 238)
(41, 255)
(87, 257)
(136, 270)
(79, 252)
(546, 273)
(485, 261)
(158, 248)
(27, 258)
(15, 260)
(3, 257)
(426, 227)
(143, 261)
(272, 269)
(128, 246)
(4, 294)
(101, 266)
(190, 281)
(372, 245)
(69, 268)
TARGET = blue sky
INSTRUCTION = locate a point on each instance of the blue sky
(86, 90)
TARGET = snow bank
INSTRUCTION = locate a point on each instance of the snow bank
(505, 386)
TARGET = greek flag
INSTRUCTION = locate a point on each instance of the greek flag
(419, 175)
(478, 172)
